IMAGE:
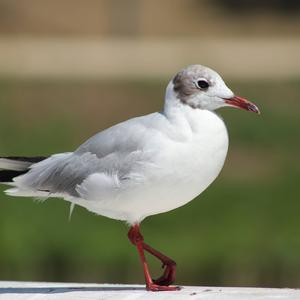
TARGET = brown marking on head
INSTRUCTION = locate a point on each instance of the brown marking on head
(185, 83)
(184, 86)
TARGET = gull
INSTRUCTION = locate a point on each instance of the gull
(141, 167)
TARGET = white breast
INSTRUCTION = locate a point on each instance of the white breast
(190, 167)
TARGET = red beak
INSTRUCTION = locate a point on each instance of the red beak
(242, 103)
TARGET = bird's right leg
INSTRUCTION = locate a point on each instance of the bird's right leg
(137, 239)
(169, 274)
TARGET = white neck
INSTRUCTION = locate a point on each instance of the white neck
(172, 103)
(183, 116)
(179, 114)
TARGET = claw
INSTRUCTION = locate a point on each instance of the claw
(160, 288)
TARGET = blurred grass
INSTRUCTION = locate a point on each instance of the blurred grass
(244, 230)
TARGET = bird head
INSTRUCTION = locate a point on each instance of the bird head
(203, 88)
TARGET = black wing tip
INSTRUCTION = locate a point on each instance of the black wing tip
(9, 175)
(34, 159)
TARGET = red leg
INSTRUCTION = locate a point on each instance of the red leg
(168, 277)
(169, 274)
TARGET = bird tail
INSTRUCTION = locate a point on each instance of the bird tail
(13, 166)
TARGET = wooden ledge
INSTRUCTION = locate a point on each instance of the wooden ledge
(72, 291)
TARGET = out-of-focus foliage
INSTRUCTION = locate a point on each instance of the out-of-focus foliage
(252, 6)
(155, 18)
(244, 230)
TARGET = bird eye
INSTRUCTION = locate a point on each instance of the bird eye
(202, 84)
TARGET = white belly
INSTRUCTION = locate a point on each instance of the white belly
(179, 173)
(184, 174)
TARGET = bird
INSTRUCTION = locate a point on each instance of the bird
(143, 166)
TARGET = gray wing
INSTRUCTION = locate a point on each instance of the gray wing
(118, 150)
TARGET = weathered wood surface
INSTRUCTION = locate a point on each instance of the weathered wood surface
(74, 291)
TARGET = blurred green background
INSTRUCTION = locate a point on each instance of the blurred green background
(243, 230)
